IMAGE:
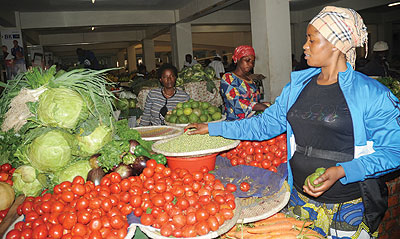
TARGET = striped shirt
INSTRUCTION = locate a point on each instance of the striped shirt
(155, 101)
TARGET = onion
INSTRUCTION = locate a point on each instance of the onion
(133, 144)
(95, 175)
(7, 196)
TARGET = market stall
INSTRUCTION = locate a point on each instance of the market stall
(77, 171)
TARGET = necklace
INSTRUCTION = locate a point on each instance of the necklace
(168, 95)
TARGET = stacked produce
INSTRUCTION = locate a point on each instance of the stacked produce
(267, 154)
(277, 226)
(177, 202)
(6, 191)
(391, 83)
(193, 111)
(197, 73)
(55, 122)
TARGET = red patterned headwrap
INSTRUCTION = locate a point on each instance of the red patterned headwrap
(242, 51)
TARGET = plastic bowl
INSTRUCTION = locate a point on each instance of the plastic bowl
(192, 164)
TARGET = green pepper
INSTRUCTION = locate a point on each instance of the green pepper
(140, 151)
(159, 158)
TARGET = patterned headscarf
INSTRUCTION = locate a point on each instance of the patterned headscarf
(344, 28)
(242, 51)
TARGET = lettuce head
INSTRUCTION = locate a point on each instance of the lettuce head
(62, 107)
(25, 181)
(52, 150)
(79, 168)
(92, 143)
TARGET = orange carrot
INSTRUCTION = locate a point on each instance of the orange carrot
(242, 234)
(275, 216)
(285, 236)
(275, 220)
(272, 227)
(301, 224)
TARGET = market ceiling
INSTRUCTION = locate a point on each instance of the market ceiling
(65, 24)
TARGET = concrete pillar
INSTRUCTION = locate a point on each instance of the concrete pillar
(114, 60)
(270, 28)
(164, 58)
(121, 60)
(149, 57)
(181, 41)
(132, 63)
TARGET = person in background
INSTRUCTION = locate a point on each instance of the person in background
(19, 59)
(160, 101)
(378, 65)
(189, 61)
(141, 73)
(238, 90)
(335, 118)
(218, 66)
(225, 62)
(87, 59)
(7, 62)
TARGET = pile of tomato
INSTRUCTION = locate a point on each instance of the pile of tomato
(182, 204)
(6, 172)
(179, 203)
(268, 154)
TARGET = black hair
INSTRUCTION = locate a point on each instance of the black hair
(167, 66)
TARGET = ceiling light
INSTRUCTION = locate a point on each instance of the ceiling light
(93, 1)
(394, 4)
(92, 28)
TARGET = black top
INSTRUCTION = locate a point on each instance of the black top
(321, 118)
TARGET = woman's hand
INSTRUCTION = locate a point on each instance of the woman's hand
(200, 128)
(327, 179)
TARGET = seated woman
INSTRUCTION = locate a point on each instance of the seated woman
(160, 101)
(238, 91)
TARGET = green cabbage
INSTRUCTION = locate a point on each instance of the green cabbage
(25, 181)
(52, 151)
(92, 143)
(61, 107)
(80, 168)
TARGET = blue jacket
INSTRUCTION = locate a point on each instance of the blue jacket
(376, 122)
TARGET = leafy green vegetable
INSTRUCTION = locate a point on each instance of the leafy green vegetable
(52, 150)
(9, 142)
(92, 143)
(26, 182)
(123, 132)
(79, 168)
(110, 154)
(61, 107)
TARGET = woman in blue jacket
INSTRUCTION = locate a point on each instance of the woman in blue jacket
(335, 118)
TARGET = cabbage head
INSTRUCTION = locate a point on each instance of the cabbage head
(52, 151)
(92, 143)
(62, 107)
(25, 181)
(80, 168)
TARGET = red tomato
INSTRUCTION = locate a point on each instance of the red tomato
(78, 180)
(231, 187)
(40, 232)
(95, 224)
(6, 167)
(179, 221)
(227, 213)
(117, 221)
(265, 149)
(79, 230)
(281, 137)
(273, 148)
(213, 223)
(27, 233)
(266, 164)
(249, 150)
(167, 172)
(271, 141)
(197, 176)
(202, 214)
(189, 231)
(202, 228)
(234, 162)
(148, 172)
(278, 154)
(269, 156)
(14, 234)
(276, 162)
(273, 169)
(204, 169)
(3, 176)
(166, 230)
(78, 189)
(146, 219)
(151, 164)
(244, 186)
(259, 157)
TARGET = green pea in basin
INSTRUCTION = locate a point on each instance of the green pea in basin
(311, 178)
